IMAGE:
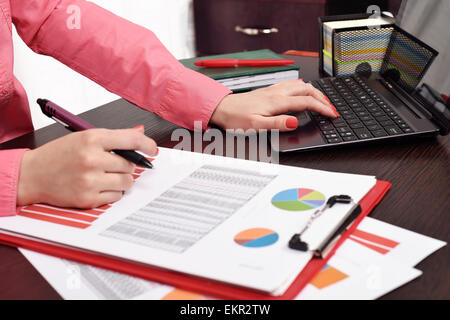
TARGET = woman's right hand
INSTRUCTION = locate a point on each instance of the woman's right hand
(78, 170)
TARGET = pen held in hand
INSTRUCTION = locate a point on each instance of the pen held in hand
(75, 123)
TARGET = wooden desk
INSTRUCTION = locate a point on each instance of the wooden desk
(418, 200)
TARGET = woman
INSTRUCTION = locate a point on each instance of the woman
(78, 170)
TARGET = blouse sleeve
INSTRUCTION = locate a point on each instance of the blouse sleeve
(123, 57)
(10, 161)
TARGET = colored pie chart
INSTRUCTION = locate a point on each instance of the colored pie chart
(299, 199)
(256, 237)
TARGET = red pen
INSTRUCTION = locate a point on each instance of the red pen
(230, 63)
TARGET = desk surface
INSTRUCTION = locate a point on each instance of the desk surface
(418, 200)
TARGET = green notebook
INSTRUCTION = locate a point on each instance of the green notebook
(241, 78)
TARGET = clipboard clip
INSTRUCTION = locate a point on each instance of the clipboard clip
(329, 242)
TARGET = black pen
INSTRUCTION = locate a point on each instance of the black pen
(74, 123)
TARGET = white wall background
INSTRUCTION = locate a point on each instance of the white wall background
(45, 77)
(428, 21)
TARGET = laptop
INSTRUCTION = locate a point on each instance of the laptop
(375, 107)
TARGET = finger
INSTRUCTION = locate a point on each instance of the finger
(139, 128)
(112, 163)
(280, 122)
(311, 91)
(108, 197)
(128, 139)
(299, 88)
(116, 182)
(301, 103)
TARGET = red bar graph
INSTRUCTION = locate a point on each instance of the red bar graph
(70, 217)
(372, 241)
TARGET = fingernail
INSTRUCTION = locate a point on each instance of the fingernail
(157, 152)
(292, 123)
(327, 99)
(336, 113)
(139, 127)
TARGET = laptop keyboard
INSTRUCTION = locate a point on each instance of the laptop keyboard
(364, 114)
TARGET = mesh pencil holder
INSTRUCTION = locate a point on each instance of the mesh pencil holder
(387, 50)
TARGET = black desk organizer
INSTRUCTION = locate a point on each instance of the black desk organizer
(406, 59)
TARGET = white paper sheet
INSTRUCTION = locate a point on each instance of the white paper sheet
(358, 273)
(405, 246)
(377, 258)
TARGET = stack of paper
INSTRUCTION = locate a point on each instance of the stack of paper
(213, 217)
(377, 259)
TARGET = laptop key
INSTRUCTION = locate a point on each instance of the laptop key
(374, 109)
(370, 123)
(363, 133)
(340, 124)
(357, 125)
(365, 118)
(353, 121)
(344, 129)
(334, 140)
(387, 123)
(346, 112)
(326, 127)
(382, 118)
(408, 130)
(393, 130)
(350, 138)
(343, 108)
(362, 113)
(349, 116)
(378, 114)
(374, 127)
(379, 133)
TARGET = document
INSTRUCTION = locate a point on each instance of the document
(218, 218)
(356, 271)
(377, 258)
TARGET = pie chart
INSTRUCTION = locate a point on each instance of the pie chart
(256, 237)
(298, 199)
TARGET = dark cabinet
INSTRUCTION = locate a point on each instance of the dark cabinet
(223, 26)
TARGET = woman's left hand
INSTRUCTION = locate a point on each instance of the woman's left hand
(266, 108)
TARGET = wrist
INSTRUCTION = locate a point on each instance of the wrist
(219, 116)
(27, 192)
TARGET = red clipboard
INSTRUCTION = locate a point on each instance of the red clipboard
(195, 284)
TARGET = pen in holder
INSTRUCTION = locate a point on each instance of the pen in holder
(330, 240)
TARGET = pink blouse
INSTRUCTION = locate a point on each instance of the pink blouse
(121, 56)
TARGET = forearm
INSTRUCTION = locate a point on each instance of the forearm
(123, 57)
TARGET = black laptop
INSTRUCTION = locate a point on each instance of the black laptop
(374, 107)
